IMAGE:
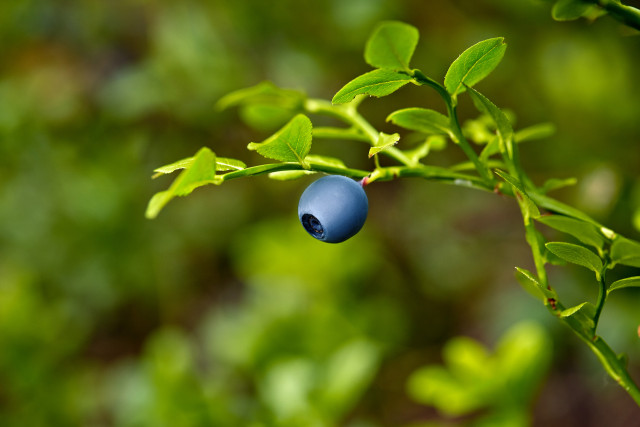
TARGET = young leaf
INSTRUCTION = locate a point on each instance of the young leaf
(384, 141)
(289, 175)
(568, 10)
(625, 251)
(226, 164)
(202, 171)
(532, 285)
(629, 282)
(474, 64)
(584, 312)
(585, 232)
(314, 159)
(170, 168)
(264, 93)
(377, 83)
(421, 120)
(577, 255)
(391, 45)
(505, 130)
(539, 131)
(290, 144)
(530, 207)
(556, 183)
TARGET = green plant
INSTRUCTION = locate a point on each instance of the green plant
(496, 168)
(569, 10)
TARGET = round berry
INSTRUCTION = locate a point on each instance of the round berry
(333, 208)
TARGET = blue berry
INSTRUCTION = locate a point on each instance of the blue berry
(333, 208)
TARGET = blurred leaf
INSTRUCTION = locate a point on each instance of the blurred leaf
(201, 172)
(290, 144)
(584, 313)
(568, 10)
(555, 184)
(585, 232)
(539, 131)
(376, 83)
(384, 141)
(505, 130)
(629, 282)
(554, 205)
(289, 175)
(474, 64)
(325, 160)
(421, 120)
(577, 255)
(346, 375)
(391, 45)
(625, 251)
(265, 93)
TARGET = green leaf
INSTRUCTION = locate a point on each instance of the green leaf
(503, 125)
(474, 64)
(384, 141)
(531, 284)
(576, 254)
(584, 312)
(315, 159)
(530, 207)
(629, 282)
(374, 83)
(625, 251)
(222, 164)
(539, 131)
(289, 175)
(586, 232)
(421, 120)
(226, 164)
(554, 205)
(265, 93)
(391, 45)
(568, 10)
(556, 183)
(202, 171)
(290, 144)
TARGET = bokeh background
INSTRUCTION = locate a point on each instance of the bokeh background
(222, 311)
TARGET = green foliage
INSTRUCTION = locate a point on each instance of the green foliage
(290, 144)
(474, 64)
(384, 142)
(629, 282)
(391, 45)
(585, 232)
(378, 83)
(568, 10)
(577, 255)
(469, 380)
(421, 120)
(201, 171)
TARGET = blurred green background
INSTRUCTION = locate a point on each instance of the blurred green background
(222, 311)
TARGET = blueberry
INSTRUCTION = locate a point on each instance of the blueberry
(333, 208)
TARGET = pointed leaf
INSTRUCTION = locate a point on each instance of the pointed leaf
(539, 131)
(384, 141)
(391, 45)
(503, 125)
(530, 207)
(421, 120)
(531, 284)
(227, 164)
(568, 10)
(289, 175)
(584, 312)
(325, 161)
(290, 144)
(585, 232)
(629, 282)
(172, 167)
(474, 64)
(374, 83)
(202, 171)
(264, 93)
(625, 251)
(556, 183)
(576, 254)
